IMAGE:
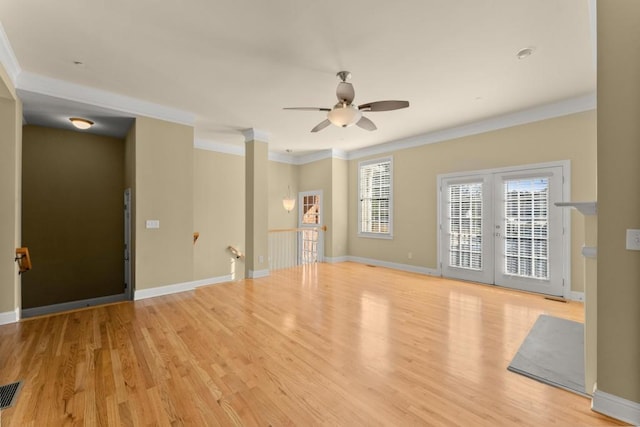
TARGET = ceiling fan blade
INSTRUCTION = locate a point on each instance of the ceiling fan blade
(307, 108)
(365, 123)
(345, 92)
(384, 105)
(323, 124)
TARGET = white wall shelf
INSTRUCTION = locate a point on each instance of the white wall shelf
(585, 208)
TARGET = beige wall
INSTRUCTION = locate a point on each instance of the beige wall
(282, 175)
(570, 137)
(339, 230)
(218, 213)
(72, 217)
(256, 207)
(10, 192)
(164, 192)
(618, 198)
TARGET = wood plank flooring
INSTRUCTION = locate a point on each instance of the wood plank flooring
(342, 344)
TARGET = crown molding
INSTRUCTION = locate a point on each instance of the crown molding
(218, 147)
(309, 158)
(273, 156)
(252, 134)
(282, 158)
(339, 154)
(239, 151)
(313, 157)
(74, 92)
(549, 111)
(8, 58)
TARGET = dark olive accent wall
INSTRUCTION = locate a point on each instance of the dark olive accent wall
(72, 215)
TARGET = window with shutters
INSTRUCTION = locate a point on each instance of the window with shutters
(375, 206)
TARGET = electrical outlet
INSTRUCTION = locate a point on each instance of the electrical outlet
(410, 255)
(260, 259)
(633, 240)
(153, 223)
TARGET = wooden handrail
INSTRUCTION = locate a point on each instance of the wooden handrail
(282, 230)
(23, 259)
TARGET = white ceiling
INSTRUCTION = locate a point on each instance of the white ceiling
(230, 65)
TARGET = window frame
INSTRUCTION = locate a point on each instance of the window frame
(368, 234)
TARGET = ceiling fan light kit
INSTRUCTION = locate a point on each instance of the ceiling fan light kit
(345, 113)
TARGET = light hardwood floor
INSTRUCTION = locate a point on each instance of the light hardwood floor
(343, 344)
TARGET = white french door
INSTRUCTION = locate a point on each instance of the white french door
(467, 222)
(311, 238)
(503, 228)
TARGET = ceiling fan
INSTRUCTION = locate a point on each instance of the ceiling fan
(345, 113)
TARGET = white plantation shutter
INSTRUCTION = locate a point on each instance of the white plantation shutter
(375, 206)
(465, 225)
(527, 224)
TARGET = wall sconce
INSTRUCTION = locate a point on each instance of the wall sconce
(288, 202)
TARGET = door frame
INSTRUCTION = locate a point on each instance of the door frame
(566, 214)
(128, 250)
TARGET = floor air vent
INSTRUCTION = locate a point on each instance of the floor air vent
(9, 394)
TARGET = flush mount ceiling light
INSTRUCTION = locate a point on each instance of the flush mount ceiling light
(524, 52)
(81, 123)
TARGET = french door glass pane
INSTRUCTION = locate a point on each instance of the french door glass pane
(309, 247)
(465, 226)
(526, 227)
(310, 209)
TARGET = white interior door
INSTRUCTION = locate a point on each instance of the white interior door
(503, 228)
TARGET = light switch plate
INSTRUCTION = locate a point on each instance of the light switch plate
(153, 223)
(633, 240)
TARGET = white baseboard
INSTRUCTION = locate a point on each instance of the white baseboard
(576, 296)
(334, 260)
(616, 407)
(10, 317)
(257, 274)
(178, 287)
(395, 266)
(212, 281)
